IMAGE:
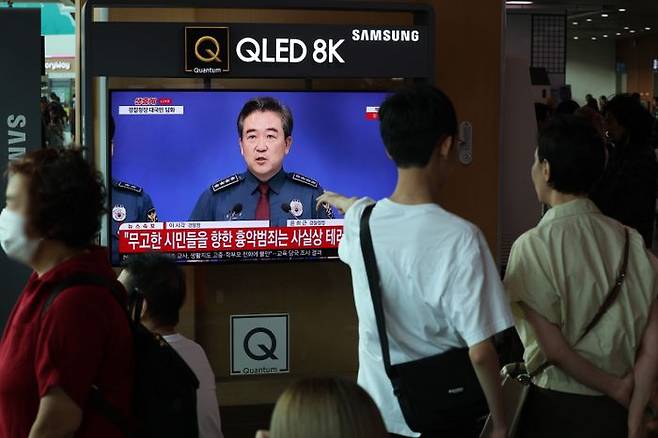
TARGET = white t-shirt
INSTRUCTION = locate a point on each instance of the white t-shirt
(210, 425)
(441, 290)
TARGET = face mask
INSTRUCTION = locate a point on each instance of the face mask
(13, 240)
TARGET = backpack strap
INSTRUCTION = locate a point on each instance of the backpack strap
(84, 279)
(96, 398)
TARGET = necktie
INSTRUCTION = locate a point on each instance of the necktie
(263, 206)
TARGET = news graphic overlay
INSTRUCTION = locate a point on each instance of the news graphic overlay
(179, 156)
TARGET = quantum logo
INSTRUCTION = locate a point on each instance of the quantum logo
(206, 50)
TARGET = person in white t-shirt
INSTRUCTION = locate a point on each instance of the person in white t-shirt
(162, 282)
(440, 286)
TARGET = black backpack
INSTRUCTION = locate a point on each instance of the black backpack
(164, 395)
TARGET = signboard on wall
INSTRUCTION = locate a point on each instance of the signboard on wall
(259, 344)
(20, 117)
(248, 50)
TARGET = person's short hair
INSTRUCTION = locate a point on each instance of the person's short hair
(263, 104)
(575, 152)
(414, 122)
(567, 107)
(66, 195)
(326, 407)
(631, 115)
(162, 282)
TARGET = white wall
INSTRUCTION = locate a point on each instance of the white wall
(591, 68)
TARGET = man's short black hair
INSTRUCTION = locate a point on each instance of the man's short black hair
(266, 103)
(414, 121)
(162, 282)
(575, 152)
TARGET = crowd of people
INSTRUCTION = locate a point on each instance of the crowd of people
(55, 122)
(580, 288)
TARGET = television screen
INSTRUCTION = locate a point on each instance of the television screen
(214, 176)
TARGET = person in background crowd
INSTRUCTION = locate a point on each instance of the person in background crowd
(325, 408)
(592, 103)
(567, 107)
(594, 118)
(54, 350)
(163, 284)
(440, 287)
(627, 190)
(56, 125)
(558, 276)
(603, 103)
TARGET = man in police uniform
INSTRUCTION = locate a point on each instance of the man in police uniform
(265, 191)
(129, 204)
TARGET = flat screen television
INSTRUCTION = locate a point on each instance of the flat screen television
(186, 183)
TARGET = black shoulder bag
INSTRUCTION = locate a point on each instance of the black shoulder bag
(437, 392)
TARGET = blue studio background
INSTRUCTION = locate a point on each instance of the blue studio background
(176, 157)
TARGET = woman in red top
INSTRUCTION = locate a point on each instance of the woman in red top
(50, 360)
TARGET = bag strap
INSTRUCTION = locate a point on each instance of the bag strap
(96, 398)
(83, 279)
(605, 306)
(375, 286)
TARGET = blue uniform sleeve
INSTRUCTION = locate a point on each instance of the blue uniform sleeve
(147, 208)
(202, 210)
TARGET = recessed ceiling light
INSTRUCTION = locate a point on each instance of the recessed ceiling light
(575, 23)
(632, 31)
(514, 2)
(593, 38)
(605, 36)
(576, 38)
(647, 28)
(589, 20)
(622, 9)
(604, 15)
(626, 27)
(618, 33)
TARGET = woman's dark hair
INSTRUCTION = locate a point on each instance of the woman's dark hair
(414, 121)
(66, 195)
(575, 152)
(162, 282)
(630, 114)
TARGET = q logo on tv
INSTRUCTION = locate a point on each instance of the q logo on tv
(206, 50)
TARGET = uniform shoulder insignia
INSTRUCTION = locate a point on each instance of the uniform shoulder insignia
(225, 183)
(128, 187)
(304, 180)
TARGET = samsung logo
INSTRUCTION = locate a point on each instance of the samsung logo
(385, 35)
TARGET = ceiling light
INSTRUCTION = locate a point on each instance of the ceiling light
(604, 15)
(632, 31)
(626, 27)
(514, 2)
(622, 9)
(576, 38)
(593, 38)
(575, 23)
(589, 20)
(647, 28)
(618, 33)
(605, 36)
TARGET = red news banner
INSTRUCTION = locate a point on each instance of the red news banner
(253, 239)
